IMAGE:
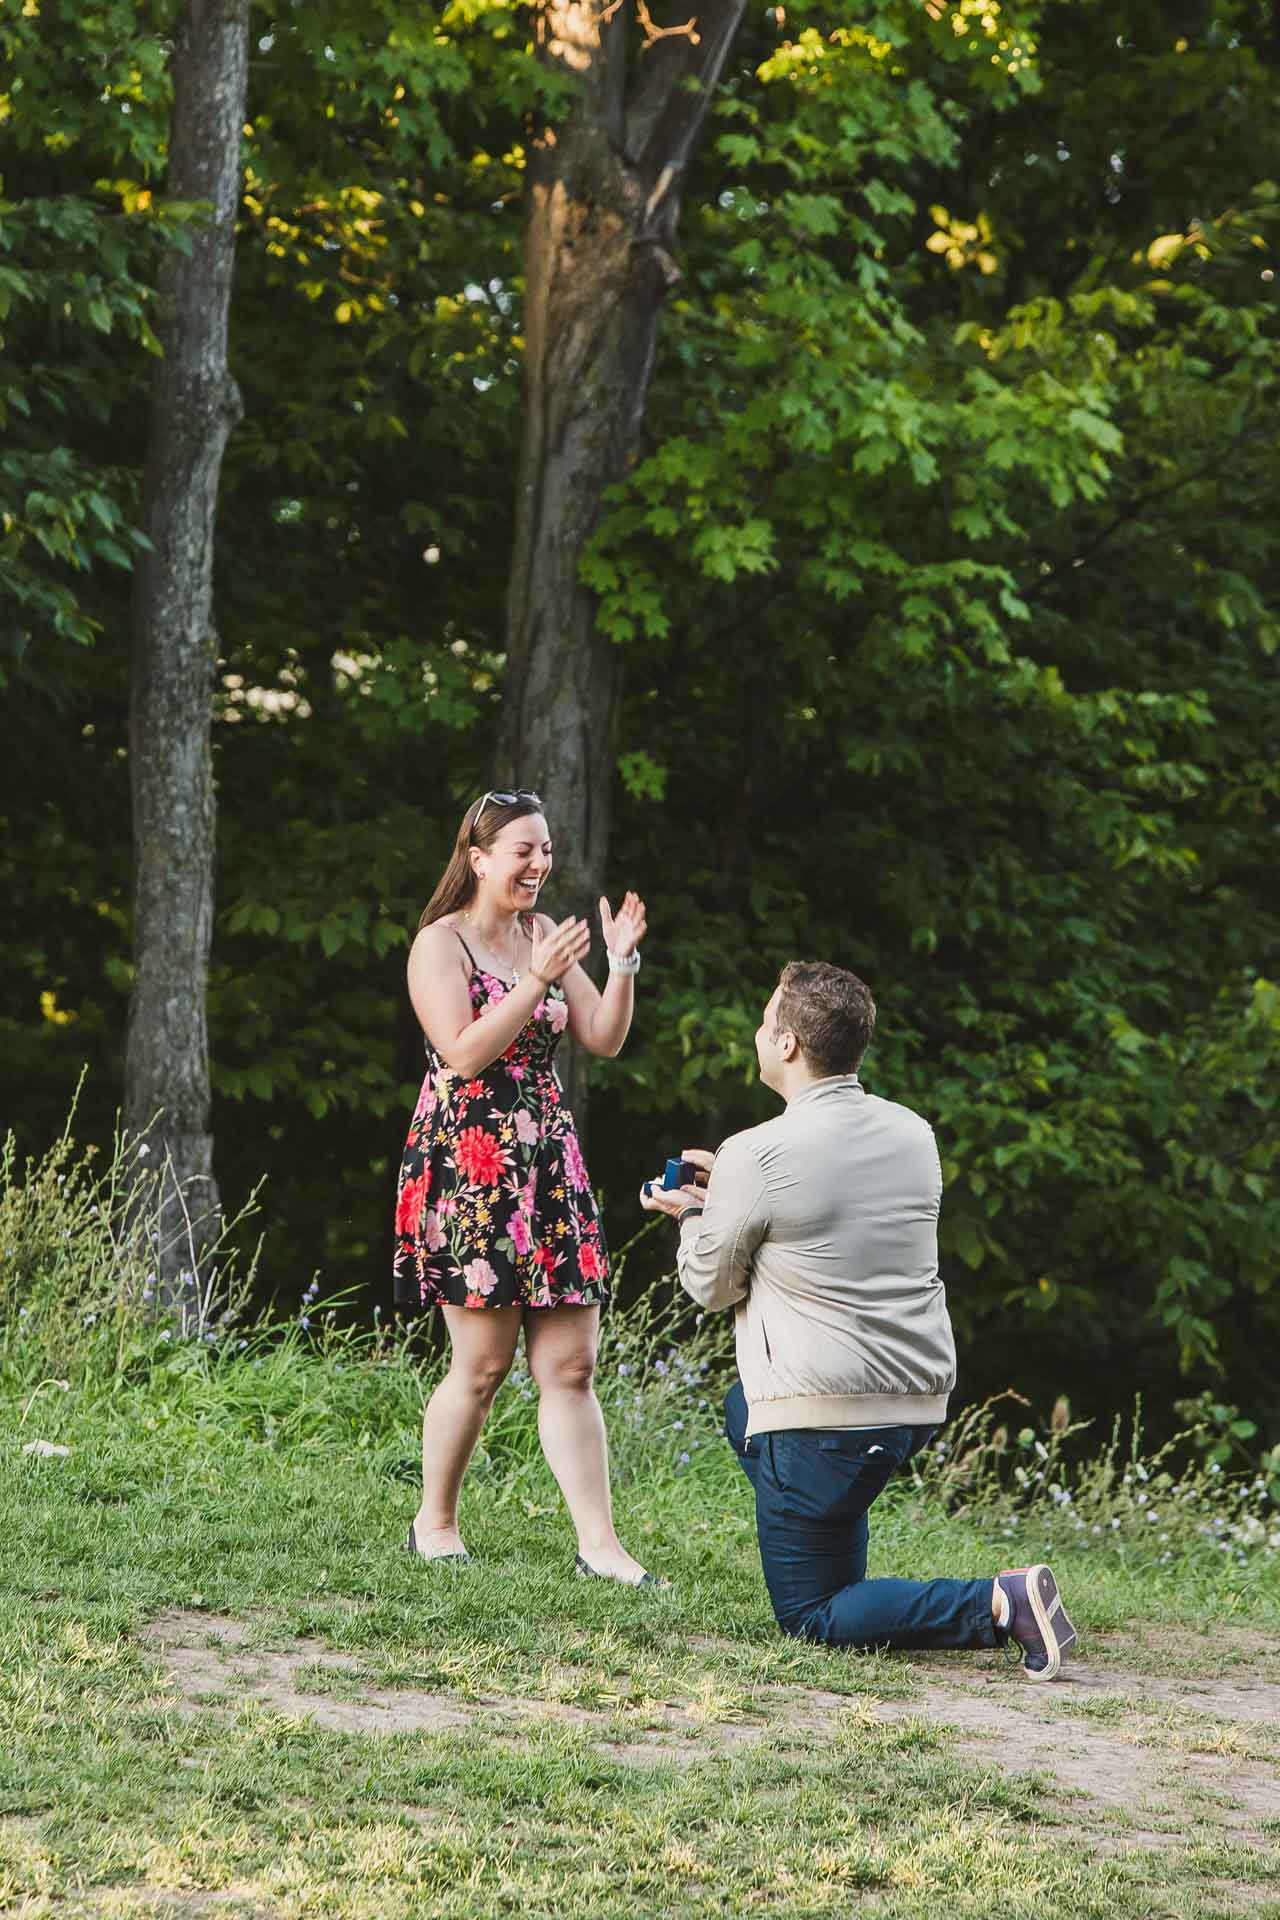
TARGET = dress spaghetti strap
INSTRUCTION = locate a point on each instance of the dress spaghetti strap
(466, 949)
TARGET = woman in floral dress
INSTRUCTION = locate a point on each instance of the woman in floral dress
(496, 1223)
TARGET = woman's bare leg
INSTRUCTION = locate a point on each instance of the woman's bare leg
(483, 1343)
(561, 1346)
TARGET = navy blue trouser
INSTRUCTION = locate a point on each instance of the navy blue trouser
(813, 1489)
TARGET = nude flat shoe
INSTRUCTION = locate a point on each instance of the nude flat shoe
(434, 1559)
(653, 1582)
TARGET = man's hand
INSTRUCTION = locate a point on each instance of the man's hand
(671, 1200)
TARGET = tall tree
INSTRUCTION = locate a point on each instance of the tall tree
(194, 406)
(604, 193)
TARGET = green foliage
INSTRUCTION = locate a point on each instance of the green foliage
(993, 726)
(82, 125)
(945, 592)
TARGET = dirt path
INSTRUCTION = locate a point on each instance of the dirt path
(1145, 1759)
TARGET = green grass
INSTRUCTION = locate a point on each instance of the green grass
(505, 1738)
(112, 1786)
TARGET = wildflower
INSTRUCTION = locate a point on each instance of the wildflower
(677, 1426)
(304, 1322)
(683, 1461)
(143, 1151)
(623, 1368)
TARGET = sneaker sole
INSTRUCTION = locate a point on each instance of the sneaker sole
(1052, 1619)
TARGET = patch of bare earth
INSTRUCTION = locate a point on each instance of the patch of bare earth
(1144, 1759)
(1149, 1760)
(211, 1661)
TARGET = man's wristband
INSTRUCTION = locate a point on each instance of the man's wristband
(688, 1213)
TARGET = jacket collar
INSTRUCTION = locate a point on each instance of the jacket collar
(831, 1087)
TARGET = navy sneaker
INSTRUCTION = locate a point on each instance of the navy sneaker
(1037, 1620)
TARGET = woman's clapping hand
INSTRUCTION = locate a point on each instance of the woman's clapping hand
(556, 952)
(624, 930)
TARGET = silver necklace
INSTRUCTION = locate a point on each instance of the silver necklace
(515, 945)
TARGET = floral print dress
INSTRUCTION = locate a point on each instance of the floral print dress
(494, 1207)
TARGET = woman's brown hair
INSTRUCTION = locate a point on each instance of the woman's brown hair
(480, 827)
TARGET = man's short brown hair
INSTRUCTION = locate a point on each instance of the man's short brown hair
(830, 1012)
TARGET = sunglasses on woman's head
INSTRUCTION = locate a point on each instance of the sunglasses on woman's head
(504, 800)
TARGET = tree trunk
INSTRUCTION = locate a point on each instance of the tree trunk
(194, 405)
(604, 193)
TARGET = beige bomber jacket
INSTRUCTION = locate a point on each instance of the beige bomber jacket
(821, 1229)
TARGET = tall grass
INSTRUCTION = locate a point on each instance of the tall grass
(81, 1329)
(1175, 1503)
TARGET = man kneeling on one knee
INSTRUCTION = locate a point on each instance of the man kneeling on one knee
(821, 1229)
